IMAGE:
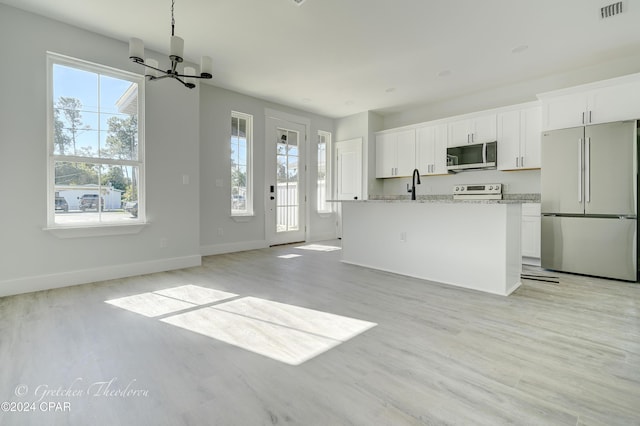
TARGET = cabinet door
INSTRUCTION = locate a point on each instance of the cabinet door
(509, 135)
(563, 112)
(615, 103)
(385, 155)
(484, 129)
(440, 151)
(425, 154)
(459, 133)
(405, 152)
(531, 134)
(531, 230)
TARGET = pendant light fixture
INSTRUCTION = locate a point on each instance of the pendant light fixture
(188, 77)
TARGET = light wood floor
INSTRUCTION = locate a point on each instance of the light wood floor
(550, 354)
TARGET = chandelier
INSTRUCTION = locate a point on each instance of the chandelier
(188, 77)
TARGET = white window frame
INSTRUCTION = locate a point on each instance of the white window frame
(92, 229)
(248, 212)
(328, 181)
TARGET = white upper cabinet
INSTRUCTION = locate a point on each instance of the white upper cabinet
(519, 139)
(431, 149)
(601, 102)
(472, 130)
(395, 153)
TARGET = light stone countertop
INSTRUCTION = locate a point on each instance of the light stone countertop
(507, 199)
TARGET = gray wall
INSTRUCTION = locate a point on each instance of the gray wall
(187, 133)
(216, 105)
(33, 258)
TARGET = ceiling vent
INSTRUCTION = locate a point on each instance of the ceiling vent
(611, 10)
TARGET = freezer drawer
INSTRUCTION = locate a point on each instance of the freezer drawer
(604, 247)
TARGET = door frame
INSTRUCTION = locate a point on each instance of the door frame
(273, 116)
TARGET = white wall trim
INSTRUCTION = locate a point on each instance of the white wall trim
(85, 276)
(214, 249)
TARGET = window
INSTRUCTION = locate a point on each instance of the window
(324, 171)
(241, 158)
(95, 144)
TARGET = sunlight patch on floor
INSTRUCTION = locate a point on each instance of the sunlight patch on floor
(286, 333)
(150, 304)
(289, 256)
(283, 332)
(195, 294)
(319, 247)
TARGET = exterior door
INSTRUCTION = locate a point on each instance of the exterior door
(286, 192)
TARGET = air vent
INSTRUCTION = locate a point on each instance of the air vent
(611, 10)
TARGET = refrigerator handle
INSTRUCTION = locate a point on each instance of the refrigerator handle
(580, 170)
(587, 170)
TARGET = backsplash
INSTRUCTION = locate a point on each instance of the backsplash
(517, 182)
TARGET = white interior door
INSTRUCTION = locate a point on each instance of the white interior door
(286, 186)
(349, 170)
(348, 163)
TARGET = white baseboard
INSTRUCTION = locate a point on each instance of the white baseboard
(323, 237)
(213, 249)
(85, 276)
(534, 261)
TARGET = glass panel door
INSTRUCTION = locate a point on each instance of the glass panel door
(288, 182)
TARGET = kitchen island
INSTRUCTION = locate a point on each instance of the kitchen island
(472, 244)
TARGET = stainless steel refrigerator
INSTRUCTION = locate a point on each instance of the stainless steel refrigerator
(589, 193)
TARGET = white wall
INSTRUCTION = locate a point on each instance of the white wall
(216, 105)
(32, 258)
(525, 91)
(363, 125)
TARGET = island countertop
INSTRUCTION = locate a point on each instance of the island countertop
(507, 199)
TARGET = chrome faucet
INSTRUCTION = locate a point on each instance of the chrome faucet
(412, 190)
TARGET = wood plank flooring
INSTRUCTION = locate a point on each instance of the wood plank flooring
(549, 354)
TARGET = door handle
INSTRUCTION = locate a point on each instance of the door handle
(580, 170)
(587, 170)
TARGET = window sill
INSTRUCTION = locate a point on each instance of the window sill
(95, 230)
(242, 217)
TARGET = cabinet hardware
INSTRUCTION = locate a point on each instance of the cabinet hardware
(583, 117)
(517, 165)
(521, 161)
(590, 117)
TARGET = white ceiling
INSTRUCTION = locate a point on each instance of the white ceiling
(340, 57)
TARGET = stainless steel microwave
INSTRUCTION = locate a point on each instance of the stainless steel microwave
(473, 156)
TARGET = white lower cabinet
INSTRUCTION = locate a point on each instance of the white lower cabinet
(531, 233)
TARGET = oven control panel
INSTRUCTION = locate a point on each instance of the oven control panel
(488, 191)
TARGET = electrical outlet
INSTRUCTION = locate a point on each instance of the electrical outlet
(220, 231)
(403, 237)
(185, 179)
(164, 243)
